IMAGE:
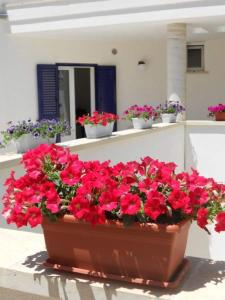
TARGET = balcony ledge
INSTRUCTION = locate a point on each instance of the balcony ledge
(23, 277)
(13, 160)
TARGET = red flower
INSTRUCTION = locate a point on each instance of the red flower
(60, 182)
(198, 196)
(97, 118)
(79, 207)
(179, 200)
(108, 201)
(72, 174)
(202, 217)
(34, 216)
(220, 225)
(130, 204)
(155, 205)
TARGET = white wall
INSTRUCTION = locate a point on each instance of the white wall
(20, 55)
(205, 89)
(204, 151)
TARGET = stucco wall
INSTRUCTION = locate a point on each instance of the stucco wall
(204, 89)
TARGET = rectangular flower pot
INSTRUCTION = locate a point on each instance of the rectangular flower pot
(220, 116)
(98, 130)
(143, 252)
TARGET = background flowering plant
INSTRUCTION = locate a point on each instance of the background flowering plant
(216, 108)
(56, 183)
(43, 128)
(142, 112)
(97, 118)
(50, 128)
(15, 131)
(171, 107)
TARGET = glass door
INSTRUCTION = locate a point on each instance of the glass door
(76, 96)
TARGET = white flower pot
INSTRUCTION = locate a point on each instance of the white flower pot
(25, 142)
(168, 118)
(98, 131)
(140, 123)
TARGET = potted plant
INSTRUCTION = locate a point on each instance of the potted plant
(170, 110)
(20, 133)
(46, 131)
(97, 124)
(126, 222)
(141, 116)
(217, 111)
(28, 135)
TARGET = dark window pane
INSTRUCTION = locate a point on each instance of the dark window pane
(194, 59)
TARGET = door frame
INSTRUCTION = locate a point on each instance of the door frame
(72, 92)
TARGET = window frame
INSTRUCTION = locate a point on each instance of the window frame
(197, 69)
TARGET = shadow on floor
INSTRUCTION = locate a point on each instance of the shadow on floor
(201, 272)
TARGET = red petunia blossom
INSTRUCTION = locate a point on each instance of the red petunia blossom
(202, 217)
(52, 197)
(34, 216)
(130, 204)
(155, 205)
(198, 196)
(79, 207)
(179, 200)
(108, 201)
(90, 189)
(72, 174)
(220, 219)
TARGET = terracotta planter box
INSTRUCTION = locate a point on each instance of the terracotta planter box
(140, 253)
(220, 116)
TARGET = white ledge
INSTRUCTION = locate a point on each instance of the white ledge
(22, 276)
(12, 160)
(204, 123)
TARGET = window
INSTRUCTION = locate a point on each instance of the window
(195, 58)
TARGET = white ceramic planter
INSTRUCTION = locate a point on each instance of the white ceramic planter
(27, 142)
(24, 143)
(140, 123)
(98, 131)
(168, 118)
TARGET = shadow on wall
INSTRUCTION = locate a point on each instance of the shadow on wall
(64, 286)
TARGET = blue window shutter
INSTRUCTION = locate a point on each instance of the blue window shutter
(48, 100)
(105, 80)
